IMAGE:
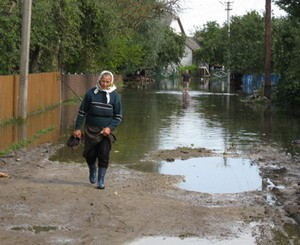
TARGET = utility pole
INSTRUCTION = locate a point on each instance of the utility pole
(24, 60)
(268, 41)
(228, 7)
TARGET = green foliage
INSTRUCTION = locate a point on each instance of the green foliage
(243, 52)
(43, 37)
(247, 55)
(247, 44)
(286, 41)
(190, 68)
(288, 92)
(287, 52)
(150, 35)
(172, 48)
(213, 41)
(54, 34)
(292, 7)
(11, 121)
(10, 39)
(67, 19)
(89, 36)
(25, 142)
(286, 59)
(96, 32)
(126, 55)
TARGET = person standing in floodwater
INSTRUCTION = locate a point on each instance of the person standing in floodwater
(102, 110)
(186, 80)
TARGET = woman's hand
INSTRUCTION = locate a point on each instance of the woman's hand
(106, 131)
(77, 133)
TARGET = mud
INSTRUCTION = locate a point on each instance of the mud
(45, 202)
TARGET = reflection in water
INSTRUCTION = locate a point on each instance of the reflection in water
(204, 84)
(13, 133)
(61, 118)
(245, 239)
(164, 118)
(213, 174)
(267, 123)
(185, 99)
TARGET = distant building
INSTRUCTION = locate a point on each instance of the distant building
(190, 46)
(191, 43)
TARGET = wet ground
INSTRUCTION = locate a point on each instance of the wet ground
(51, 202)
(199, 168)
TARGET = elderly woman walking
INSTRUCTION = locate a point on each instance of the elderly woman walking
(101, 108)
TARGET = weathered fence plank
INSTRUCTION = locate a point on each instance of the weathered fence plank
(44, 90)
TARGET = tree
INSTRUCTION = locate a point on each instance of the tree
(172, 48)
(247, 43)
(141, 21)
(89, 35)
(213, 41)
(126, 54)
(150, 34)
(134, 12)
(10, 29)
(55, 34)
(292, 7)
(287, 52)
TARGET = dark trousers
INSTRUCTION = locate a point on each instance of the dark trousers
(101, 151)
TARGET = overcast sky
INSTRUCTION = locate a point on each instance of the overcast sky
(199, 12)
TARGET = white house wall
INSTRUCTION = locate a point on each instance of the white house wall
(187, 60)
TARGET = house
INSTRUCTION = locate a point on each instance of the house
(190, 46)
(191, 43)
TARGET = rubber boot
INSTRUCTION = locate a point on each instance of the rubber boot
(101, 175)
(93, 173)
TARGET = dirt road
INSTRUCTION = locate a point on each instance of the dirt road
(45, 202)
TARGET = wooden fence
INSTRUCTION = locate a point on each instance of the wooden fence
(79, 84)
(44, 90)
(8, 99)
(76, 84)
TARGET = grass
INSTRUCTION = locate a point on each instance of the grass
(72, 101)
(11, 121)
(25, 142)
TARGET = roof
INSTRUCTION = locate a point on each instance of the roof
(192, 43)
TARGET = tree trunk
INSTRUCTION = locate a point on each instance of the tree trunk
(36, 60)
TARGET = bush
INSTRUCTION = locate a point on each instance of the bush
(288, 92)
(192, 69)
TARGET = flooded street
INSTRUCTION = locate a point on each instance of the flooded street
(164, 118)
(201, 167)
(161, 117)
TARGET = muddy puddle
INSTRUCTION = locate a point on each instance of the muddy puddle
(244, 240)
(212, 174)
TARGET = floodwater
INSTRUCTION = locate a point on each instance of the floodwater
(244, 240)
(213, 174)
(160, 117)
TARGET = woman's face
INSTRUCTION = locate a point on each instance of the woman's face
(105, 82)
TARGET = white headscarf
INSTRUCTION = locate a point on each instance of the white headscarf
(107, 91)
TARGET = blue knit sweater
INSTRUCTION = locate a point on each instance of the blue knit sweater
(96, 112)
